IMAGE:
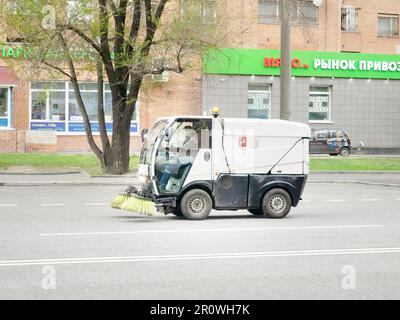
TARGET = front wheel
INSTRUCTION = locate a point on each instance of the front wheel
(196, 205)
(276, 203)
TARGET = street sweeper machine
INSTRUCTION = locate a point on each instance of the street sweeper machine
(191, 165)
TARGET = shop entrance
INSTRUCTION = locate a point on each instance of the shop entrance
(259, 101)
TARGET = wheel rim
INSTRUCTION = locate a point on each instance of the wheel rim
(197, 205)
(277, 203)
(345, 152)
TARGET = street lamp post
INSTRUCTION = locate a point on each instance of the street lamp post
(285, 9)
(286, 68)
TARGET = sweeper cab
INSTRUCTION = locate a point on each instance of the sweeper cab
(191, 165)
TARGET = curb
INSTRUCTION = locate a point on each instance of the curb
(39, 173)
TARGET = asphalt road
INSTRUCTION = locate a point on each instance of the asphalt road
(342, 242)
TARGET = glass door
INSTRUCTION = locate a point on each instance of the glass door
(5, 107)
(259, 101)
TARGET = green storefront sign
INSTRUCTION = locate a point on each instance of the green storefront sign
(7, 52)
(304, 63)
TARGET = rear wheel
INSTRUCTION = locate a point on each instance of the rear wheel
(344, 152)
(196, 205)
(276, 203)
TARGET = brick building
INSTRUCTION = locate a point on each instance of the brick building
(346, 73)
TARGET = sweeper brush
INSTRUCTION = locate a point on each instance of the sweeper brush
(119, 200)
(140, 205)
(131, 200)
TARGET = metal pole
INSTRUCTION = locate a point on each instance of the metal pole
(286, 63)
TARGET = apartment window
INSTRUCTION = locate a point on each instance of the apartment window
(320, 103)
(205, 9)
(12, 6)
(303, 12)
(388, 26)
(80, 10)
(268, 11)
(349, 19)
(259, 101)
(158, 65)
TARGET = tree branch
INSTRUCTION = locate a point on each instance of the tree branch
(81, 105)
(104, 45)
(56, 68)
(137, 13)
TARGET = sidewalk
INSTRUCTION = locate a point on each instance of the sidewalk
(390, 179)
(64, 179)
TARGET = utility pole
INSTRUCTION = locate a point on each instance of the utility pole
(286, 61)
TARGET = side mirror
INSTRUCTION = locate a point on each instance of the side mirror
(144, 133)
(167, 134)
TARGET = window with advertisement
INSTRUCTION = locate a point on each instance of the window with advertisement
(53, 107)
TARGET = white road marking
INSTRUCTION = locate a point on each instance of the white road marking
(9, 205)
(371, 199)
(336, 200)
(96, 204)
(238, 255)
(51, 204)
(209, 230)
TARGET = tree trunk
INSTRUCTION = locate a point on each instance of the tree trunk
(120, 150)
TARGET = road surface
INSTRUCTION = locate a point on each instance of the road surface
(341, 242)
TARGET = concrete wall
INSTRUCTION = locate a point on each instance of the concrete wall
(367, 109)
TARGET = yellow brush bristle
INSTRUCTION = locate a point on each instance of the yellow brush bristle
(139, 205)
(118, 201)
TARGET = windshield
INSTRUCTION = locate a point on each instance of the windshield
(176, 155)
(149, 142)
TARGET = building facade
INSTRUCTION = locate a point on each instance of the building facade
(346, 74)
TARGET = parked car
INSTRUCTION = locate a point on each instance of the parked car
(330, 141)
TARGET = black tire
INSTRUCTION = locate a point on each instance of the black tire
(344, 152)
(256, 212)
(196, 205)
(333, 154)
(276, 203)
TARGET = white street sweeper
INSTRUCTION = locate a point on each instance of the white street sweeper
(191, 165)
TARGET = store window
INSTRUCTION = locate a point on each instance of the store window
(48, 101)
(320, 103)
(54, 107)
(303, 12)
(206, 9)
(388, 26)
(4, 107)
(349, 19)
(259, 101)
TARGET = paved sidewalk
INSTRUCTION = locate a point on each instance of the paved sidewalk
(70, 179)
(82, 179)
